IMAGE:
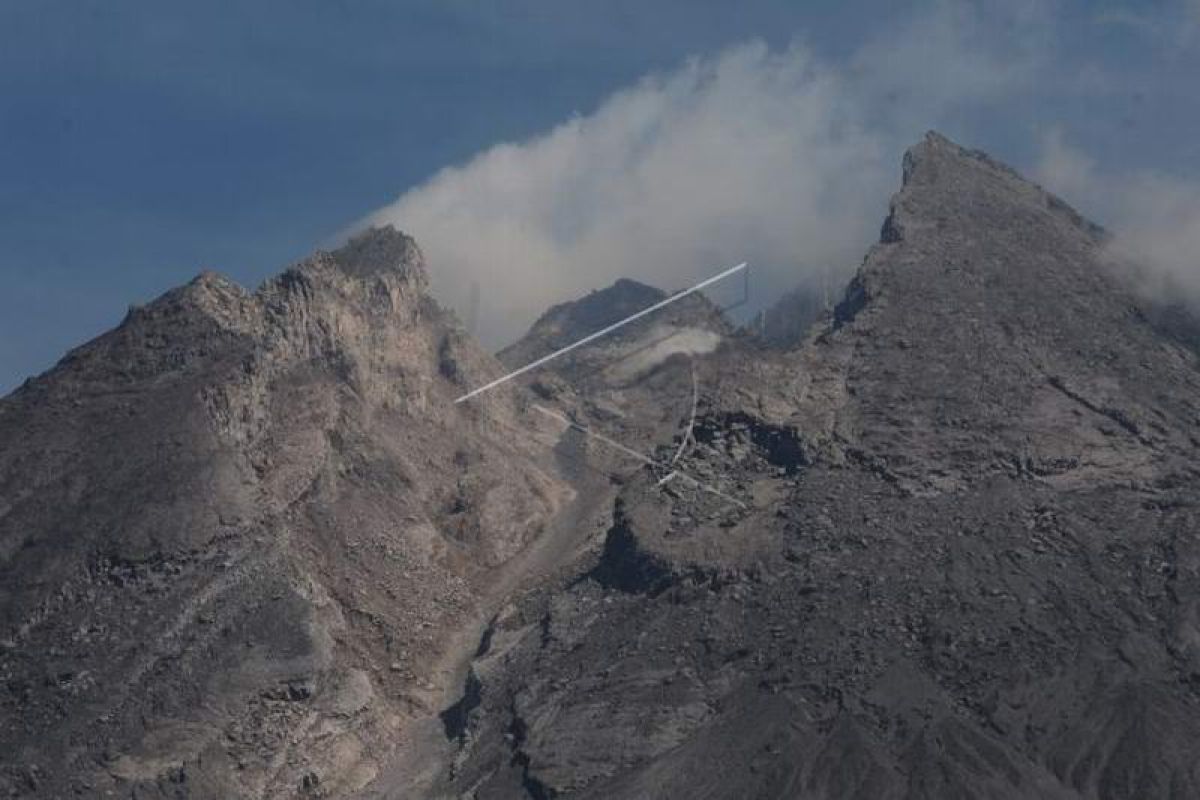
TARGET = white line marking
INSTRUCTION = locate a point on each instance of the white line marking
(572, 424)
(691, 422)
(635, 454)
(599, 333)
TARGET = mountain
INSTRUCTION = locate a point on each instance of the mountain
(964, 562)
(233, 529)
(937, 543)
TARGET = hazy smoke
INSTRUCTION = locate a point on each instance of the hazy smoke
(771, 157)
(751, 156)
(1154, 218)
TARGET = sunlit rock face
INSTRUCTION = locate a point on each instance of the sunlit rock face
(235, 530)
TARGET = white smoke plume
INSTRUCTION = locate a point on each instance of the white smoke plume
(767, 156)
(751, 156)
(1154, 218)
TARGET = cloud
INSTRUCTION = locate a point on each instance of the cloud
(1174, 24)
(768, 156)
(752, 155)
(1154, 217)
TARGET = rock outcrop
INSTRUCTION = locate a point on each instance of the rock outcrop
(236, 530)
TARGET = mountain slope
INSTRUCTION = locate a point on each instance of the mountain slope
(235, 531)
(941, 543)
(965, 562)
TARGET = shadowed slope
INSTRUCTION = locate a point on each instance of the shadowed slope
(968, 567)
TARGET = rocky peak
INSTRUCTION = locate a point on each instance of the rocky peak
(345, 305)
(378, 270)
(943, 181)
(935, 148)
(217, 296)
(989, 298)
(598, 308)
(572, 320)
(382, 251)
(208, 294)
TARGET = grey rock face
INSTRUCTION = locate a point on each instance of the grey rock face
(967, 565)
(223, 521)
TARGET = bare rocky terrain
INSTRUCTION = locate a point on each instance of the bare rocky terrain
(235, 531)
(939, 543)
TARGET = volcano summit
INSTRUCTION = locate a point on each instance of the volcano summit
(250, 547)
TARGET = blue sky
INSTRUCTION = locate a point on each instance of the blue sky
(143, 141)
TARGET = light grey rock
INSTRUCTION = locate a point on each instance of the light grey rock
(195, 508)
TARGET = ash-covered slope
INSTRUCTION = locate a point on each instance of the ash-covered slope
(690, 325)
(239, 532)
(568, 322)
(965, 564)
(637, 383)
